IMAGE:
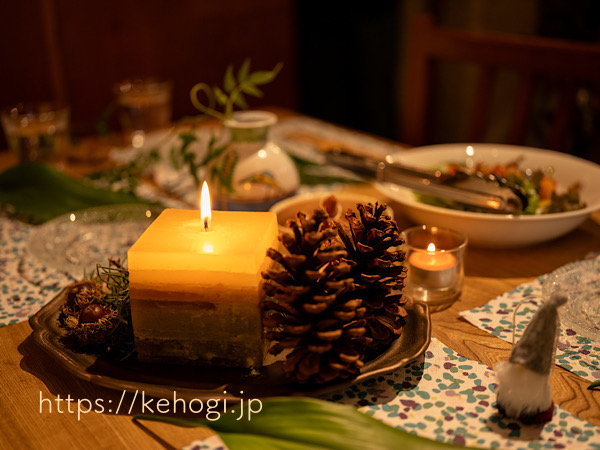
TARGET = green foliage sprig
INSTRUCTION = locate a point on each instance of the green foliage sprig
(234, 88)
(125, 178)
(115, 277)
(221, 171)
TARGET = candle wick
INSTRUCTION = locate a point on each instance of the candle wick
(206, 224)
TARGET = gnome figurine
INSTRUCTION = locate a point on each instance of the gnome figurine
(524, 391)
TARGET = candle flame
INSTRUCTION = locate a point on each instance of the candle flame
(205, 209)
(431, 247)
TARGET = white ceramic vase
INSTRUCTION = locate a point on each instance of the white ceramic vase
(263, 173)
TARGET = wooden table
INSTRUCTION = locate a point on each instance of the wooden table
(27, 374)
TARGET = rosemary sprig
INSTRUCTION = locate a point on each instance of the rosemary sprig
(124, 178)
(116, 279)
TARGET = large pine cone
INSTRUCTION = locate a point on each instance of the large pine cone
(305, 310)
(377, 266)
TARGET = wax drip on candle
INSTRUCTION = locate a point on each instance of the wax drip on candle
(205, 208)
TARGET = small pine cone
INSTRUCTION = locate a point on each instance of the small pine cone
(377, 266)
(304, 310)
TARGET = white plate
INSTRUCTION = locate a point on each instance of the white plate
(491, 230)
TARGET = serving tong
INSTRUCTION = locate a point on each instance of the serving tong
(489, 193)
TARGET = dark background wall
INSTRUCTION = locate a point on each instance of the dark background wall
(348, 62)
(75, 51)
(343, 59)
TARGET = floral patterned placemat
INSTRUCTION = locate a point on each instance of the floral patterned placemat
(575, 353)
(450, 398)
(25, 285)
(446, 397)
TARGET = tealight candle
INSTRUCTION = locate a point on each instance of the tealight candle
(194, 285)
(435, 265)
(433, 268)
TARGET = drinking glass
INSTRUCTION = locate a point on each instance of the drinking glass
(37, 132)
(143, 105)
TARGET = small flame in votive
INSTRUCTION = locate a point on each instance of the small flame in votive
(205, 209)
(431, 247)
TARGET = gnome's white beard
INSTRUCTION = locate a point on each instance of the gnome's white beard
(522, 391)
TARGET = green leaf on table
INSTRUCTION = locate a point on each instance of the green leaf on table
(594, 385)
(253, 442)
(36, 193)
(305, 423)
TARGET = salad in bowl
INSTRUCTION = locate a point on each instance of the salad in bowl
(538, 187)
(562, 191)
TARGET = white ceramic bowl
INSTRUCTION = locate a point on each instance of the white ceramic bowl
(308, 202)
(492, 230)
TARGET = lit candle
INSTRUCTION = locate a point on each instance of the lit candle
(205, 208)
(194, 286)
(435, 265)
(432, 268)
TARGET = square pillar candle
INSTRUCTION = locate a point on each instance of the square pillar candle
(195, 289)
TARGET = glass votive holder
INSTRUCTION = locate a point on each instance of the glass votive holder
(435, 262)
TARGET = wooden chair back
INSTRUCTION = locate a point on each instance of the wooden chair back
(567, 64)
